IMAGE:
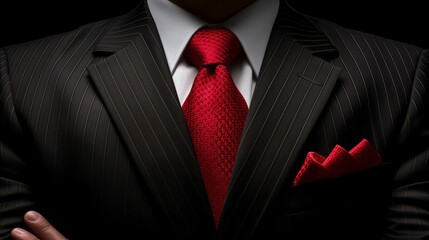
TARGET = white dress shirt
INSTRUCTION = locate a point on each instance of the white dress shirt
(252, 26)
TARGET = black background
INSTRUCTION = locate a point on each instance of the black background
(404, 21)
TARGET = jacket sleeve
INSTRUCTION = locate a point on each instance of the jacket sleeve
(408, 214)
(15, 192)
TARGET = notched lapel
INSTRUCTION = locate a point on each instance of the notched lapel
(293, 88)
(136, 87)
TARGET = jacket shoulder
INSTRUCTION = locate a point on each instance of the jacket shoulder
(79, 40)
(348, 40)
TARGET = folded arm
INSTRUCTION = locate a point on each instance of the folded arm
(408, 216)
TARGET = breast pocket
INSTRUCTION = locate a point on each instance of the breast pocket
(347, 207)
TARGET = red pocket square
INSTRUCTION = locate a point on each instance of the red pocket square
(339, 162)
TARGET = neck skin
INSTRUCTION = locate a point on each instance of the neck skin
(213, 11)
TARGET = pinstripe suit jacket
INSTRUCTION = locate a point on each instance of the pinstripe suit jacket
(92, 129)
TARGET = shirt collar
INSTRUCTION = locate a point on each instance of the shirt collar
(251, 25)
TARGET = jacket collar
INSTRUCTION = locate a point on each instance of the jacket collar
(124, 29)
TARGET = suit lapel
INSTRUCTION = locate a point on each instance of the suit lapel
(136, 87)
(292, 90)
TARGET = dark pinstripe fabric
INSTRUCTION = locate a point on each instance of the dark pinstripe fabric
(91, 128)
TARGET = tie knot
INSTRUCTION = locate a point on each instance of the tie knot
(212, 46)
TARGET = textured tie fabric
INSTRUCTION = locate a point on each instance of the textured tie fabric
(215, 110)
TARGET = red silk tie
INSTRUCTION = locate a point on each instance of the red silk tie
(215, 110)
